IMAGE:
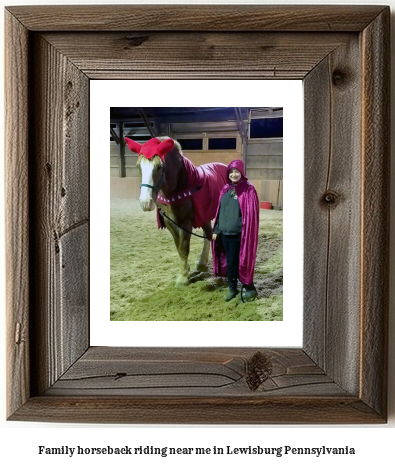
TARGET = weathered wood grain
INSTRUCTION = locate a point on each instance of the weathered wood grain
(375, 211)
(196, 55)
(194, 372)
(344, 255)
(60, 185)
(333, 163)
(74, 293)
(196, 17)
(17, 192)
(316, 219)
(202, 410)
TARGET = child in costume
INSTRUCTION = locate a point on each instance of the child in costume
(235, 234)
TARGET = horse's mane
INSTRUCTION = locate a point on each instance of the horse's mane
(156, 161)
(177, 145)
(178, 180)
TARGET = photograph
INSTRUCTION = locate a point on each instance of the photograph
(189, 227)
(196, 213)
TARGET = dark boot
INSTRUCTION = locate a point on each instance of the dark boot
(248, 293)
(232, 292)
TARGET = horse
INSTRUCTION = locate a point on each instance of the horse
(185, 196)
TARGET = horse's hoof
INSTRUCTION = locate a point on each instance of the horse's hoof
(181, 280)
(201, 268)
(198, 276)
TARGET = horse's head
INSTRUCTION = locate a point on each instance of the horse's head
(151, 163)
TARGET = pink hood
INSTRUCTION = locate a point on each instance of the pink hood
(239, 165)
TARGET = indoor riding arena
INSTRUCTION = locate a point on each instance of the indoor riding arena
(144, 259)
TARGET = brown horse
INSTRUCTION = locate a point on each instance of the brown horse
(187, 195)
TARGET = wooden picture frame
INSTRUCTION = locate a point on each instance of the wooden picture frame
(340, 373)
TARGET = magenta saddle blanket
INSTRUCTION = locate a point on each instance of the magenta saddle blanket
(205, 184)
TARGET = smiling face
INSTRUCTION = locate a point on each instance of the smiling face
(234, 175)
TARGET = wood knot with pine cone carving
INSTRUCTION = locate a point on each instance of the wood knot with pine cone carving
(259, 369)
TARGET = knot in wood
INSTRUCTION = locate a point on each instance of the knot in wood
(259, 369)
(120, 375)
(330, 199)
(135, 41)
(339, 77)
(18, 334)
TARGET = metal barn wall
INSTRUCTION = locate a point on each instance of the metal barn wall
(264, 166)
(263, 159)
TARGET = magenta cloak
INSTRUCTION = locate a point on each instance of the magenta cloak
(249, 206)
(205, 184)
(210, 178)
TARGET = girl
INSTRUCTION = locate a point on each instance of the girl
(235, 234)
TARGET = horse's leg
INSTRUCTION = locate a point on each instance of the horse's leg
(175, 233)
(203, 258)
(182, 245)
(183, 252)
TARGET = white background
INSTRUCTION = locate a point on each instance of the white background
(271, 93)
(19, 441)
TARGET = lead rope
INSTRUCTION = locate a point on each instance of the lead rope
(196, 235)
(182, 228)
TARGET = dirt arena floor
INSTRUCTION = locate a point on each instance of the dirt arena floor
(144, 265)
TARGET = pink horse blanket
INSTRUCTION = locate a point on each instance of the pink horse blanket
(205, 184)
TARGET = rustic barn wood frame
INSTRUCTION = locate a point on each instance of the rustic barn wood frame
(340, 373)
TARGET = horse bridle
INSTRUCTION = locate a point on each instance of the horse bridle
(157, 187)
